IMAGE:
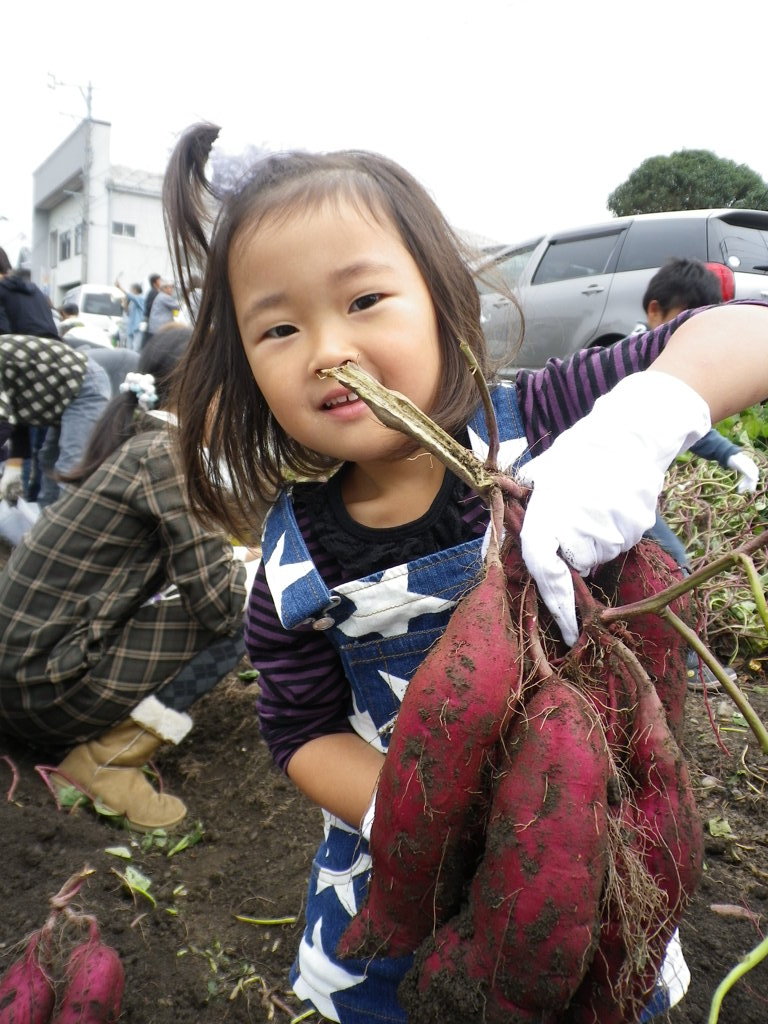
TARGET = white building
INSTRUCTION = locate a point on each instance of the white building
(92, 221)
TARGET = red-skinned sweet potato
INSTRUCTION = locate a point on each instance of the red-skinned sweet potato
(426, 828)
(645, 570)
(95, 982)
(26, 991)
(661, 829)
(520, 948)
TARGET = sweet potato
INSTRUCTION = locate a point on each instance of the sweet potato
(428, 816)
(94, 986)
(662, 833)
(521, 947)
(26, 991)
(444, 986)
(645, 570)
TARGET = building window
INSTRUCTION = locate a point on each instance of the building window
(53, 249)
(65, 245)
(119, 228)
(78, 239)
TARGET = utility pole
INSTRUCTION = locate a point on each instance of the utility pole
(87, 93)
(87, 96)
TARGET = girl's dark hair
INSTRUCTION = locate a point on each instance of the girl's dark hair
(122, 418)
(5, 263)
(219, 404)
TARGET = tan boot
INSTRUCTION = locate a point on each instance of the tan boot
(109, 769)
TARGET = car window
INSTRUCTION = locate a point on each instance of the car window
(650, 243)
(102, 303)
(505, 270)
(577, 257)
(741, 247)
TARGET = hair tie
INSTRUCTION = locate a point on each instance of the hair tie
(143, 386)
(230, 171)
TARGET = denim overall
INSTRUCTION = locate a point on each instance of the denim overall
(382, 627)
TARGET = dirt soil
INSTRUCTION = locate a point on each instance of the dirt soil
(188, 958)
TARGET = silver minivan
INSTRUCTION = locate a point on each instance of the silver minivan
(585, 286)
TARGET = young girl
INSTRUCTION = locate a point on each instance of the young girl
(316, 260)
(118, 610)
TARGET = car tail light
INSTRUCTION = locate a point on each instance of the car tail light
(725, 277)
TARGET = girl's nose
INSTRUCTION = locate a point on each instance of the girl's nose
(333, 347)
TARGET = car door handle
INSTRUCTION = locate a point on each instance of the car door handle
(593, 289)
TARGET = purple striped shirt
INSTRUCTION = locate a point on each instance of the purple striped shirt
(304, 693)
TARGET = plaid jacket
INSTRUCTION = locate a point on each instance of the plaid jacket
(81, 645)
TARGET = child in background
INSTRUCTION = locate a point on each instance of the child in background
(117, 610)
(316, 260)
(679, 285)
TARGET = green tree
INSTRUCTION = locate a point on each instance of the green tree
(692, 179)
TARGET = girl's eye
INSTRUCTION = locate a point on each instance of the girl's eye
(281, 331)
(366, 301)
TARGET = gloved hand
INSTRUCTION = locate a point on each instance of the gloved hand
(595, 490)
(11, 487)
(748, 472)
(367, 823)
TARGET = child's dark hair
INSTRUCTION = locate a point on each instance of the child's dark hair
(122, 418)
(683, 284)
(219, 402)
(5, 263)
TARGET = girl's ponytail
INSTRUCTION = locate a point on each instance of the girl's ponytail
(187, 209)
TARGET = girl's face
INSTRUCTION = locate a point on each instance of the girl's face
(320, 288)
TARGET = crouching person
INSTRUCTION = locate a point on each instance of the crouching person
(118, 609)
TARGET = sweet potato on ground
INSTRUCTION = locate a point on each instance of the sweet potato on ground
(26, 990)
(95, 980)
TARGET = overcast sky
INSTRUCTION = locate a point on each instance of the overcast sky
(518, 116)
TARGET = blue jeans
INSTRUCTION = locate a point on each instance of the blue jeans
(65, 445)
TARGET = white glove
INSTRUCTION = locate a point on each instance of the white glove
(367, 823)
(595, 490)
(748, 472)
(11, 487)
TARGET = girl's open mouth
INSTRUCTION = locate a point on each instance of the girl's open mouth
(344, 399)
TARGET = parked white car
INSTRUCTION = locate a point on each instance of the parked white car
(100, 310)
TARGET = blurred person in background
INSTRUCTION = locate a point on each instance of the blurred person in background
(680, 285)
(133, 304)
(44, 382)
(118, 610)
(164, 310)
(149, 301)
(24, 309)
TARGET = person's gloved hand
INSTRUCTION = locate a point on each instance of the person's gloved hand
(367, 823)
(11, 487)
(748, 472)
(595, 490)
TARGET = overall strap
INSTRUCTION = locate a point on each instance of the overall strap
(286, 562)
(513, 446)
